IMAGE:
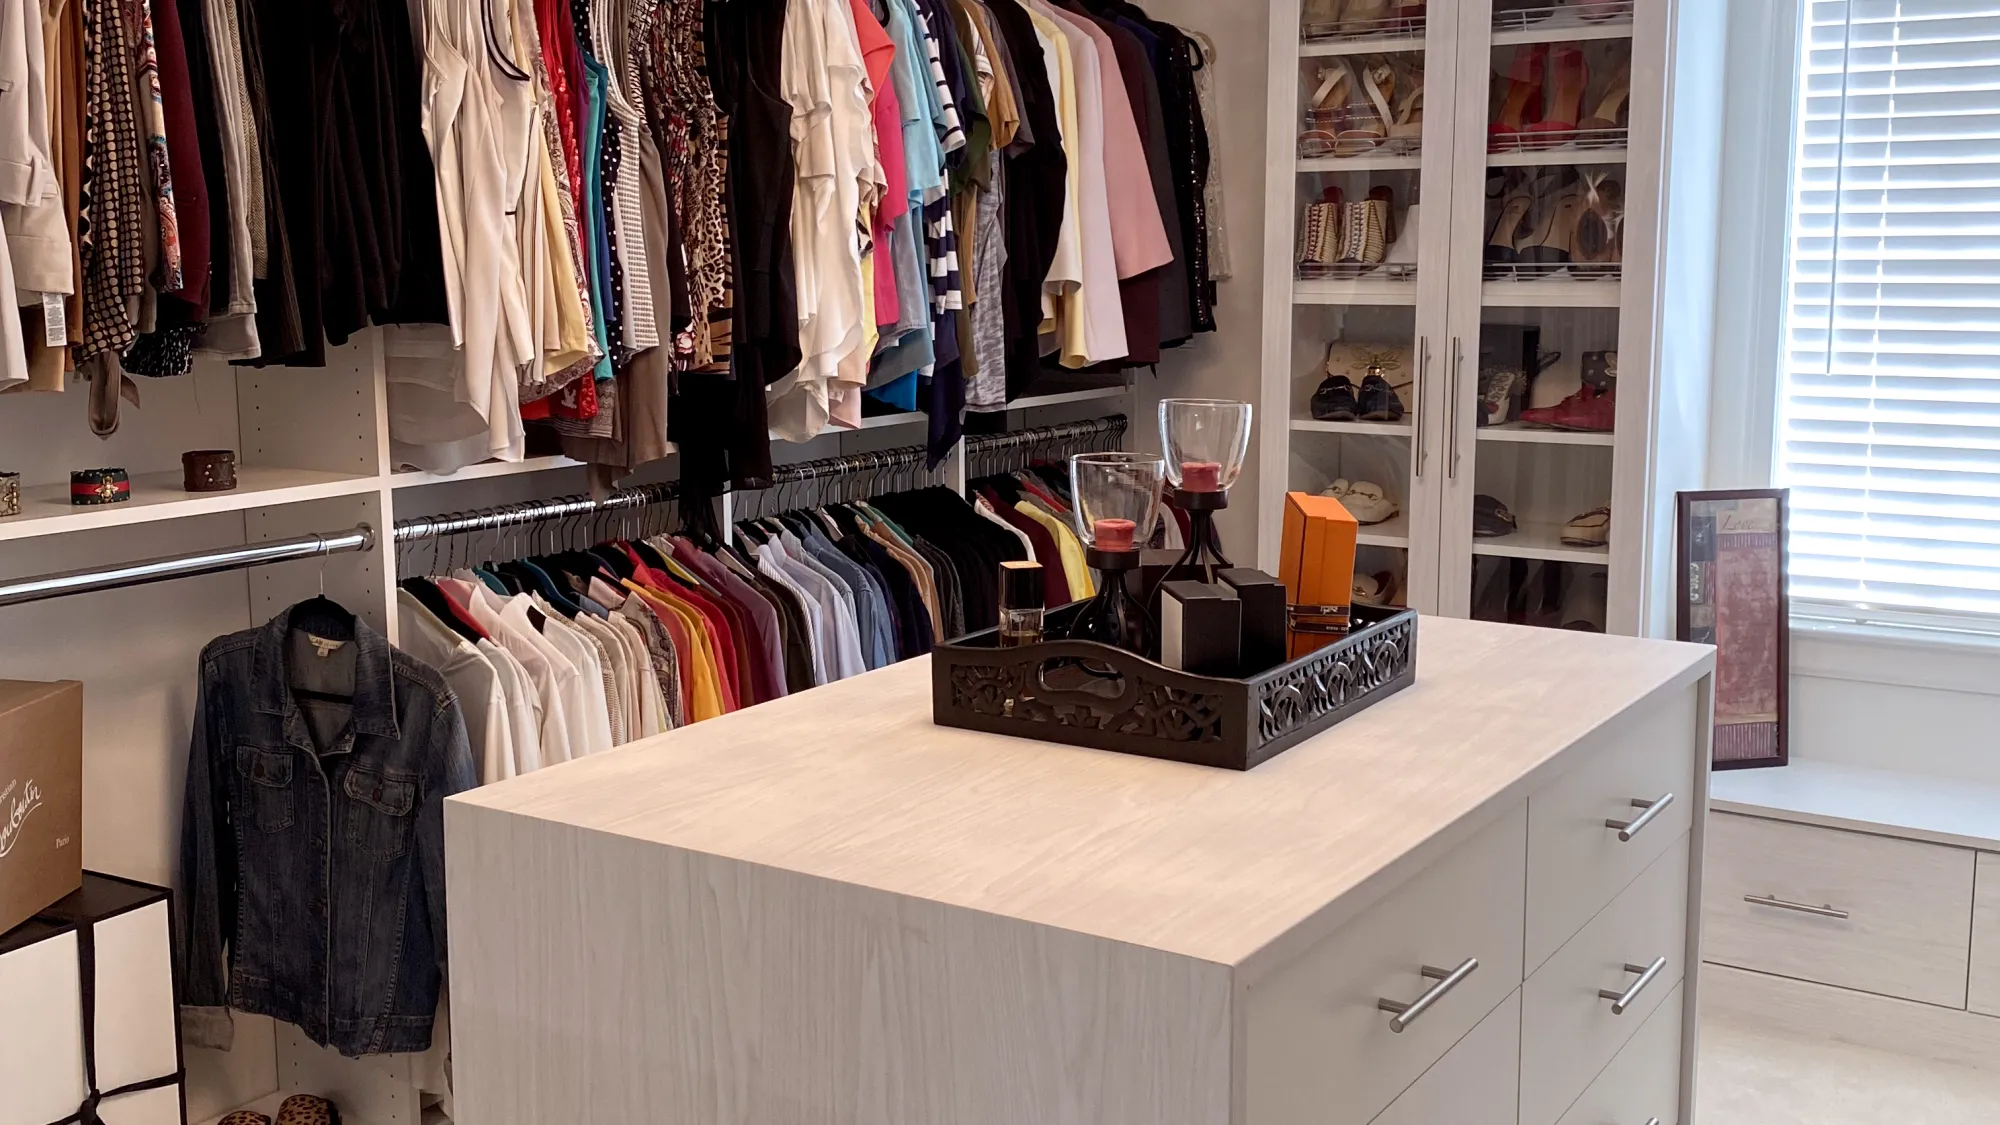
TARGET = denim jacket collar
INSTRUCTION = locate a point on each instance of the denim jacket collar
(374, 685)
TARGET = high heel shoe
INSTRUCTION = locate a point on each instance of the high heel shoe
(1325, 110)
(1367, 123)
(1319, 18)
(1524, 87)
(1554, 244)
(1598, 248)
(1610, 116)
(1565, 98)
(1402, 258)
(1408, 124)
(1366, 17)
(1500, 243)
(1319, 234)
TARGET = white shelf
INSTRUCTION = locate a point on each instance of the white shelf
(485, 470)
(46, 510)
(1541, 157)
(1392, 532)
(1093, 394)
(1550, 293)
(1366, 291)
(1563, 29)
(1887, 802)
(1540, 541)
(1373, 429)
(1367, 162)
(1359, 45)
(1515, 431)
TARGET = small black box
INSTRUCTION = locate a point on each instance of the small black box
(1263, 599)
(1201, 628)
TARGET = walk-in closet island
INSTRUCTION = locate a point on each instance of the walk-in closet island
(1468, 903)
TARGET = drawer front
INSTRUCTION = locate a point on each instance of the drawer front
(1322, 1050)
(1569, 1030)
(1982, 992)
(1643, 1084)
(1576, 861)
(1865, 912)
(1477, 1082)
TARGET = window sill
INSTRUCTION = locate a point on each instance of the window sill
(1934, 652)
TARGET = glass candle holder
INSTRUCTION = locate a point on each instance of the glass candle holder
(1117, 502)
(1206, 441)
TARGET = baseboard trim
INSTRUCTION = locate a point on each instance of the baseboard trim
(1820, 1011)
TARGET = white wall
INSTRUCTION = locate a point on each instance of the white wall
(1227, 363)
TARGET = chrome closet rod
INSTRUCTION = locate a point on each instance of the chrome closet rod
(975, 445)
(16, 591)
(535, 511)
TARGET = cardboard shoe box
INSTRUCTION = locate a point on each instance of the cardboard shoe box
(41, 796)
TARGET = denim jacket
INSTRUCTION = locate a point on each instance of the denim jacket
(312, 877)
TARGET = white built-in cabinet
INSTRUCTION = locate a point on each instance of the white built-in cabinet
(1445, 305)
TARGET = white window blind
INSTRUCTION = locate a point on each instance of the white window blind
(1890, 403)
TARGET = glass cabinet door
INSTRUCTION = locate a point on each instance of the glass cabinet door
(1372, 221)
(1530, 362)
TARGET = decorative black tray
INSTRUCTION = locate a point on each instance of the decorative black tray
(1088, 694)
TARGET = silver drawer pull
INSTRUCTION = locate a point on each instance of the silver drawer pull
(1623, 1000)
(1652, 1121)
(1802, 908)
(1629, 828)
(1447, 979)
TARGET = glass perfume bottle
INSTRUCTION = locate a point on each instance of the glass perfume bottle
(1205, 440)
(1117, 501)
(1021, 604)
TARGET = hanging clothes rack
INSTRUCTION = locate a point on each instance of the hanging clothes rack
(17, 591)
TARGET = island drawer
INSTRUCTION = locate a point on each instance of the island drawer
(1844, 908)
(1637, 772)
(1635, 951)
(1644, 1082)
(1322, 1048)
(1477, 1082)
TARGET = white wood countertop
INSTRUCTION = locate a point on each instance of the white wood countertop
(1938, 810)
(852, 782)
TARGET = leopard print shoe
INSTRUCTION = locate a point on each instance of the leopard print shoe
(305, 1109)
(245, 1117)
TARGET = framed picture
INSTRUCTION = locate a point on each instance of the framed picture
(1732, 595)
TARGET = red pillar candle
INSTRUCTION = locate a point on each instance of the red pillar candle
(1201, 476)
(1113, 534)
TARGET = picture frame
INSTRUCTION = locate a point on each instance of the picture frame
(1731, 592)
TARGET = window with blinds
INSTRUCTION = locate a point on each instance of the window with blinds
(1890, 399)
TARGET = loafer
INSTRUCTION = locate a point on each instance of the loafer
(1490, 518)
(245, 1117)
(1335, 401)
(1378, 589)
(1590, 529)
(306, 1109)
(1379, 402)
(1366, 501)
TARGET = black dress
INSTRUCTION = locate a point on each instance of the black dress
(1037, 180)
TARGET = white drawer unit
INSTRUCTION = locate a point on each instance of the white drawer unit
(1581, 1007)
(1593, 830)
(1445, 948)
(1865, 912)
(1642, 1085)
(1982, 989)
(1477, 1082)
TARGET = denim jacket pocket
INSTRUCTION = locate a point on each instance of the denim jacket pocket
(269, 792)
(381, 811)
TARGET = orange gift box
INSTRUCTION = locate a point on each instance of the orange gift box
(1317, 567)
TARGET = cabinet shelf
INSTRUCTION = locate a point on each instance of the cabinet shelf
(1360, 45)
(1553, 24)
(46, 510)
(1543, 157)
(1515, 431)
(1365, 291)
(1368, 162)
(1392, 532)
(1373, 429)
(1551, 293)
(485, 470)
(1540, 541)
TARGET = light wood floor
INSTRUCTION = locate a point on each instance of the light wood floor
(1752, 1076)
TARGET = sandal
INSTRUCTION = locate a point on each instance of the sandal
(1324, 111)
(1367, 121)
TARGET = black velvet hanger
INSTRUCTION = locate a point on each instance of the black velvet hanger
(433, 599)
(614, 560)
(322, 617)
